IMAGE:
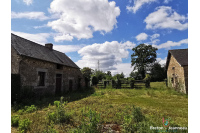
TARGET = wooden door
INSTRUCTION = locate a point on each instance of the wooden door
(58, 83)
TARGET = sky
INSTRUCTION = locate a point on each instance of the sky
(104, 30)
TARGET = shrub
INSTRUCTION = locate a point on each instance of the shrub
(21, 111)
(134, 122)
(24, 125)
(57, 103)
(90, 126)
(30, 109)
(95, 80)
(15, 120)
(59, 115)
(50, 129)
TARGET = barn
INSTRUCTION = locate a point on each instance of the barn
(177, 69)
(42, 69)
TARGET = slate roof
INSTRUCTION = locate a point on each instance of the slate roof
(31, 49)
(181, 55)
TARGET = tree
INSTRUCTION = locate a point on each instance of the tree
(99, 74)
(158, 72)
(87, 72)
(109, 73)
(143, 55)
(135, 75)
(119, 76)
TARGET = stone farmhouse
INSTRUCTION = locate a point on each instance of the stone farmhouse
(42, 68)
(177, 69)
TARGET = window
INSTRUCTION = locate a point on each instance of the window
(59, 66)
(41, 78)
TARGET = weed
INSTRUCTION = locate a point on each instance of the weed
(30, 109)
(24, 125)
(15, 120)
(59, 115)
(90, 126)
(50, 129)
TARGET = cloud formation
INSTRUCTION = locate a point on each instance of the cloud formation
(80, 19)
(40, 38)
(109, 55)
(67, 48)
(28, 2)
(138, 4)
(166, 18)
(170, 44)
(29, 15)
(141, 37)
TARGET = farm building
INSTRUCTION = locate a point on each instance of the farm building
(42, 69)
(177, 69)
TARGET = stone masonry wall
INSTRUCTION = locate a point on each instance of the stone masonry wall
(30, 67)
(178, 72)
(15, 60)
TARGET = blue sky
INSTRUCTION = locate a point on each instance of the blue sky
(104, 30)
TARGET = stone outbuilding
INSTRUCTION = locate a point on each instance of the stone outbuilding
(177, 69)
(43, 69)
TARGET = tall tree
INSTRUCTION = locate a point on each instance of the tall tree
(87, 72)
(143, 55)
(157, 72)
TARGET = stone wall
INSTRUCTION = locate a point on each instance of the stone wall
(30, 67)
(15, 61)
(175, 75)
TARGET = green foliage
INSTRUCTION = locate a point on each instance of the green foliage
(30, 109)
(99, 74)
(50, 129)
(15, 120)
(158, 73)
(143, 55)
(59, 115)
(92, 125)
(57, 103)
(136, 122)
(87, 72)
(119, 76)
(24, 125)
(95, 80)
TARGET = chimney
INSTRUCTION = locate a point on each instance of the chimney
(49, 46)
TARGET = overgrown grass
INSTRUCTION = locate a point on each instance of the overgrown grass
(114, 105)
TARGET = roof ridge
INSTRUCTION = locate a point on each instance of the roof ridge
(35, 43)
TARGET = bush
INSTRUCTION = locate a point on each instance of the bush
(15, 120)
(134, 122)
(59, 115)
(50, 129)
(30, 109)
(95, 80)
(90, 126)
(24, 125)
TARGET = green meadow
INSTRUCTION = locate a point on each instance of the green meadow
(106, 106)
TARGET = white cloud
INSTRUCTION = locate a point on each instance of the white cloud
(29, 15)
(80, 19)
(170, 44)
(141, 36)
(40, 38)
(138, 4)
(109, 54)
(67, 48)
(167, 1)
(122, 67)
(154, 36)
(28, 2)
(162, 62)
(166, 18)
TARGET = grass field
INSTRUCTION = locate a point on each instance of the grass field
(112, 105)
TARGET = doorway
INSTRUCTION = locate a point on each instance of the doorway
(58, 83)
